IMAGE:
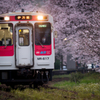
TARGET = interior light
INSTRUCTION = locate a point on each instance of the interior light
(40, 17)
(6, 18)
(11, 33)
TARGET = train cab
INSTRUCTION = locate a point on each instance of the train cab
(27, 52)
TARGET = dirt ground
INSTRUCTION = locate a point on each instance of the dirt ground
(5, 93)
(57, 80)
(60, 79)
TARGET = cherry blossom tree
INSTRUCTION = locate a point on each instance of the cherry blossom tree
(85, 44)
(76, 21)
(13, 5)
(73, 19)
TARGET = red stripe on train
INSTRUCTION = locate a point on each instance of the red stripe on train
(45, 50)
(54, 42)
(34, 18)
(7, 51)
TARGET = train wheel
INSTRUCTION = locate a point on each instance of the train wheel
(31, 86)
(35, 85)
(12, 86)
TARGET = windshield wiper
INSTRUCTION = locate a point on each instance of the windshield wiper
(40, 43)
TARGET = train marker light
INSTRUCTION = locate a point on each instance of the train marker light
(40, 17)
(6, 18)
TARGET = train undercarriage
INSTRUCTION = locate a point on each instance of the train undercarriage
(25, 76)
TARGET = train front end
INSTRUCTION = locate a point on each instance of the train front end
(27, 51)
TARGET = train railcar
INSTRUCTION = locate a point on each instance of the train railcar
(27, 51)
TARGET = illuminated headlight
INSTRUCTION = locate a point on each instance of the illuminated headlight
(40, 17)
(6, 18)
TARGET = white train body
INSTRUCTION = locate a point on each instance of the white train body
(26, 44)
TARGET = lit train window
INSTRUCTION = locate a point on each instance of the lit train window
(23, 37)
(42, 33)
(6, 35)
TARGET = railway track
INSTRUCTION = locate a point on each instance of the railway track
(62, 72)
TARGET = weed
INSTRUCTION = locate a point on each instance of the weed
(75, 77)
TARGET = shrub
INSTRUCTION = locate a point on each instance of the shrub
(57, 64)
(75, 77)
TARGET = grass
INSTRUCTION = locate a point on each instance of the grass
(86, 79)
(80, 92)
(42, 94)
(91, 78)
(62, 76)
(65, 85)
(88, 88)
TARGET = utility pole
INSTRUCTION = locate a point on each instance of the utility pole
(61, 63)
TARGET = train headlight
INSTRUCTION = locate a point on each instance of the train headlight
(40, 17)
(6, 18)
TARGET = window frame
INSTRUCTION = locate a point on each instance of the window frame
(28, 37)
(12, 40)
(41, 28)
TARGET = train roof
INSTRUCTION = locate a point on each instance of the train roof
(33, 15)
(23, 13)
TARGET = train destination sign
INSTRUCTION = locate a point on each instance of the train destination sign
(24, 17)
(44, 25)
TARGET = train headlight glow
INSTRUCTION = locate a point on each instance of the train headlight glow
(40, 17)
(6, 18)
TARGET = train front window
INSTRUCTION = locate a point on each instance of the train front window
(6, 35)
(23, 37)
(42, 34)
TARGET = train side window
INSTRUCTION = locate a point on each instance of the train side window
(6, 35)
(23, 37)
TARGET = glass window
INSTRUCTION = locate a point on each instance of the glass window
(23, 37)
(6, 35)
(42, 34)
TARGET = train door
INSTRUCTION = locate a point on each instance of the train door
(24, 54)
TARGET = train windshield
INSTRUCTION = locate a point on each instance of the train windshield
(42, 33)
(6, 35)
